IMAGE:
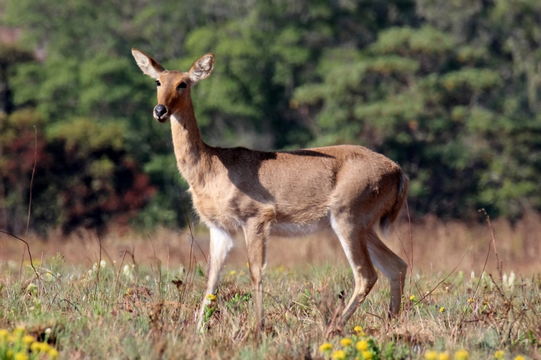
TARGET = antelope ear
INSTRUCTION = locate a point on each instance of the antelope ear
(202, 68)
(147, 64)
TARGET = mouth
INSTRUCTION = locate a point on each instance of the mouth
(162, 118)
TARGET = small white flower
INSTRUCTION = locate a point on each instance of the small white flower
(509, 280)
(127, 271)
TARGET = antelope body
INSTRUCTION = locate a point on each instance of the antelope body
(348, 189)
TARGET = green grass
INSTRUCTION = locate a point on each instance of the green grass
(132, 312)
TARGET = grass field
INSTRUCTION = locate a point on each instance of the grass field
(136, 299)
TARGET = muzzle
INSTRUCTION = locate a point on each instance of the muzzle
(161, 113)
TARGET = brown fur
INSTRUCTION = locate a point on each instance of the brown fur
(347, 188)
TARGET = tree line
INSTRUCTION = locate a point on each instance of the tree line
(449, 89)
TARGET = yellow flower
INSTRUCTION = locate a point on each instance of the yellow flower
(53, 353)
(443, 356)
(431, 355)
(339, 355)
(35, 347)
(345, 342)
(3, 334)
(40, 347)
(412, 297)
(519, 357)
(325, 347)
(500, 354)
(211, 297)
(362, 345)
(232, 273)
(20, 356)
(442, 309)
(462, 355)
(27, 339)
(359, 330)
(471, 300)
(367, 355)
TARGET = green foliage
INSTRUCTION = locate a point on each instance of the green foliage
(410, 41)
(83, 175)
(451, 90)
(84, 135)
(20, 146)
(170, 206)
(393, 350)
(11, 56)
(428, 103)
(102, 182)
(237, 301)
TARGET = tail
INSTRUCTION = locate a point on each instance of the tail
(390, 216)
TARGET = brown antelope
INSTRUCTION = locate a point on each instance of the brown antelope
(348, 189)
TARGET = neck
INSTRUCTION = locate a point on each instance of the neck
(190, 151)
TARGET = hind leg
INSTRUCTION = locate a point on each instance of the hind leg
(354, 242)
(392, 266)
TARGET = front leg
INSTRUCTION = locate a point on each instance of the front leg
(220, 244)
(256, 234)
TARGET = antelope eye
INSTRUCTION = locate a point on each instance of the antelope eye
(182, 85)
(158, 83)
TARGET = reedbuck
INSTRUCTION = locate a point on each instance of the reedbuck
(348, 189)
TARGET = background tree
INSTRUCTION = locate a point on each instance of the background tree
(448, 89)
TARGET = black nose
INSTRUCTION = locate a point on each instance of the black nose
(160, 110)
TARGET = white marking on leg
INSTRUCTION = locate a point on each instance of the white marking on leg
(221, 243)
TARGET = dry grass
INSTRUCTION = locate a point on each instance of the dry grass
(428, 246)
(141, 304)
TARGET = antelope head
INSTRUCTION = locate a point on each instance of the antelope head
(173, 86)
